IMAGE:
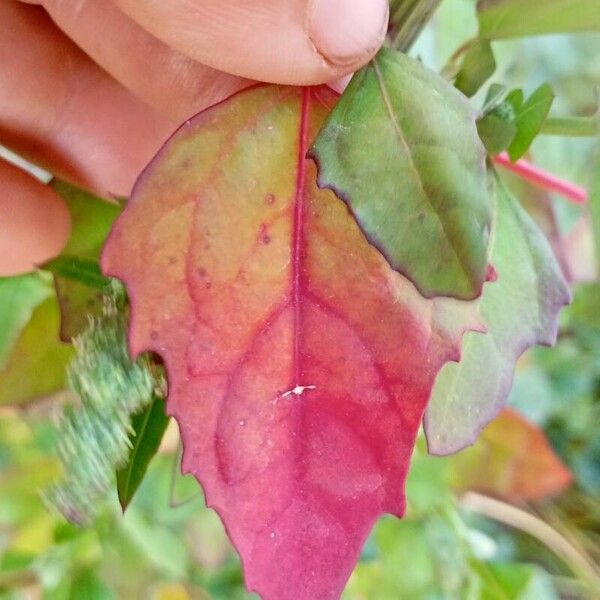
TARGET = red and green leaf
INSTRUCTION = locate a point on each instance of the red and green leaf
(299, 363)
(401, 148)
(520, 310)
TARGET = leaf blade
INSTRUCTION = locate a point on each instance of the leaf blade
(469, 394)
(148, 428)
(283, 377)
(416, 187)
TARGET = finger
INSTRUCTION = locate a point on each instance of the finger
(34, 221)
(61, 111)
(175, 84)
(284, 41)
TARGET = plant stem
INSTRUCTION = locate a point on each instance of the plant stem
(571, 126)
(408, 18)
(528, 172)
(529, 523)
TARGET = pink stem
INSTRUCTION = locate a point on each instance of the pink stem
(539, 178)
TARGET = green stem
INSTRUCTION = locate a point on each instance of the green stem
(571, 126)
(408, 18)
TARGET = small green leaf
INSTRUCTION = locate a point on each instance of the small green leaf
(477, 67)
(515, 18)
(148, 428)
(78, 281)
(530, 118)
(513, 123)
(401, 148)
(497, 128)
(520, 310)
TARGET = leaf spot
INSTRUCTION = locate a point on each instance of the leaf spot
(298, 390)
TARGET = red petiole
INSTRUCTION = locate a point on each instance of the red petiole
(532, 174)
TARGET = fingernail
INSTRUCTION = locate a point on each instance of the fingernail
(347, 31)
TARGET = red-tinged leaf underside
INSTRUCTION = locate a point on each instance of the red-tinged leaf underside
(299, 363)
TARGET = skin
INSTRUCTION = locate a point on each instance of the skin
(96, 86)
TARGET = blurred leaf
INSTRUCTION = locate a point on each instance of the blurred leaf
(87, 586)
(147, 432)
(515, 18)
(164, 549)
(79, 283)
(531, 115)
(19, 296)
(520, 310)
(37, 363)
(478, 65)
(584, 310)
(515, 582)
(511, 460)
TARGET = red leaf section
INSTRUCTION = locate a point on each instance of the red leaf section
(299, 362)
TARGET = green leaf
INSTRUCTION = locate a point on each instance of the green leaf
(514, 123)
(530, 118)
(37, 361)
(520, 310)
(94, 435)
(147, 432)
(78, 281)
(401, 148)
(497, 129)
(19, 296)
(477, 67)
(516, 18)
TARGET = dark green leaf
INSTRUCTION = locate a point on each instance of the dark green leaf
(516, 18)
(530, 118)
(477, 67)
(401, 148)
(79, 283)
(148, 428)
(520, 310)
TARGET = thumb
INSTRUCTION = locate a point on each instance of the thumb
(282, 41)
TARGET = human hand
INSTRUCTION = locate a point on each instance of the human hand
(89, 89)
